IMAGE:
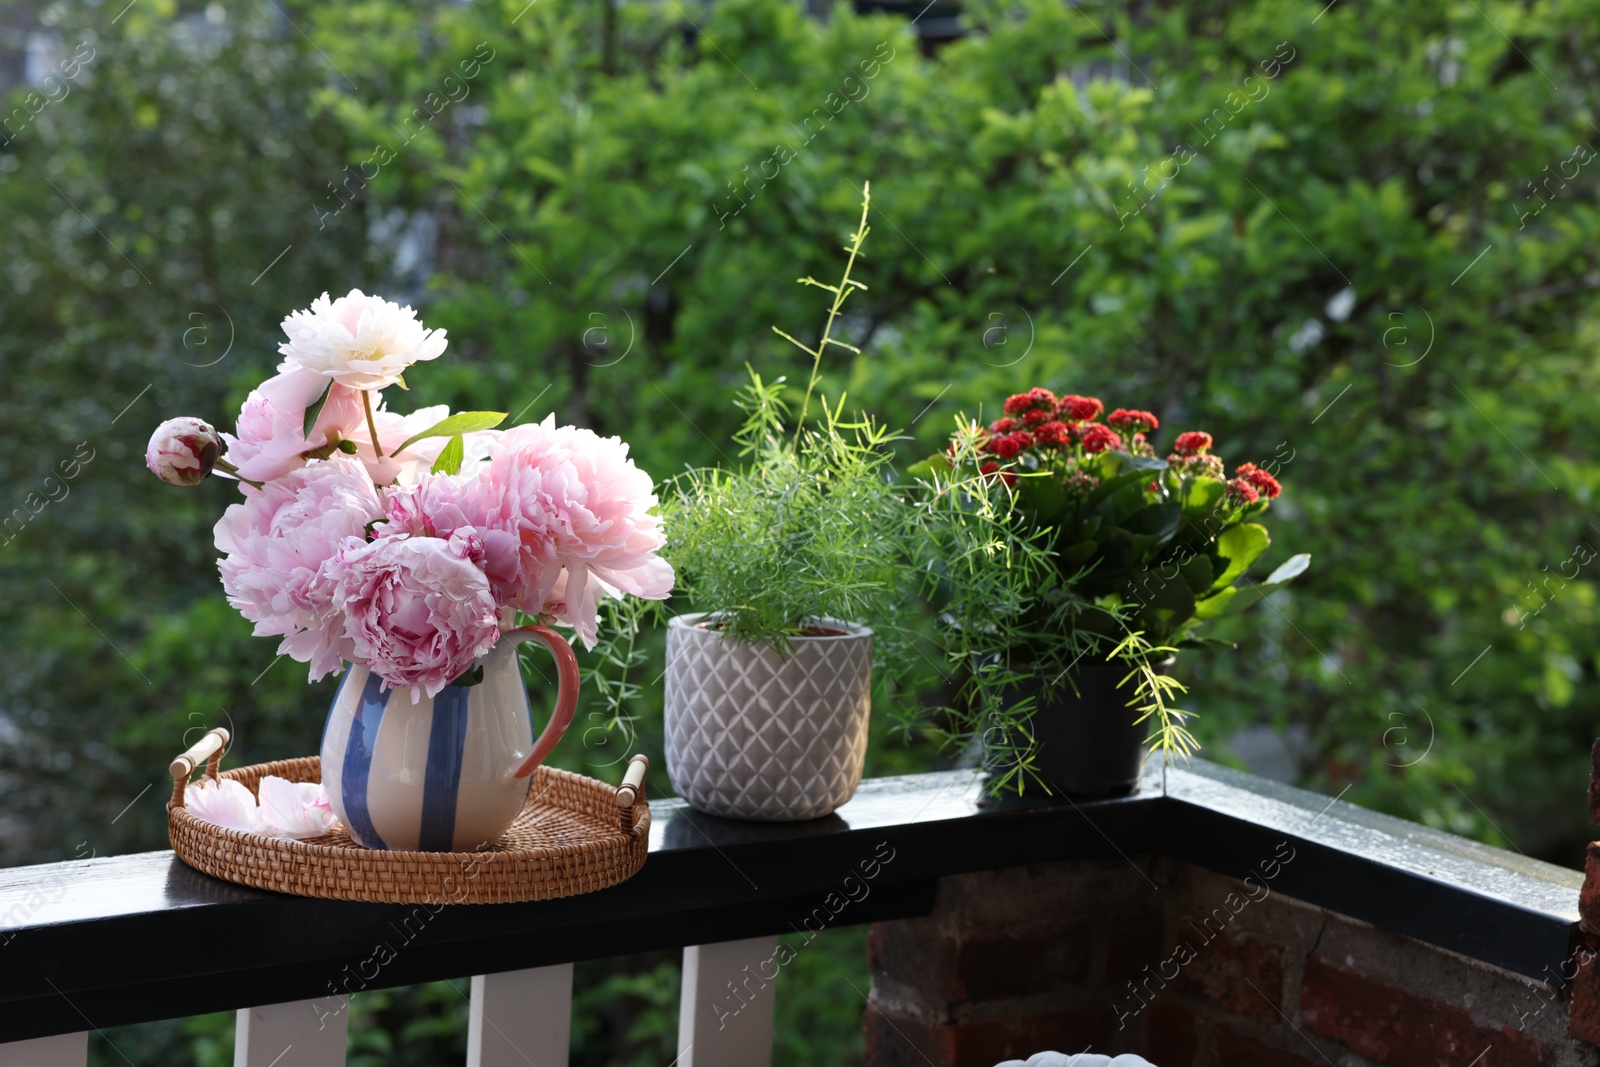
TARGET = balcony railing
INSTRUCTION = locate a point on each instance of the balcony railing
(105, 942)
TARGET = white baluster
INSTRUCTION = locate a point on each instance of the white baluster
(63, 1050)
(521, 1018)
(301, 1033)
(725, 1015)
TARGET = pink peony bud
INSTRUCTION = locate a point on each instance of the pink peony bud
(183, 451)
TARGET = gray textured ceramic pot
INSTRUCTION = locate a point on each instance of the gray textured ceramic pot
(752, 734)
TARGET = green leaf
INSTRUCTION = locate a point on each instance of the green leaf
(1109, 486)
(938, 463)
(451, 457)
(1043, 495)
(1241, 546)
(316, 409)
(1215, 644)
(1073, 555)
(1291, 569)
(459, 423)
(1198, 573)
(1201, 496)
(1155, 520)
(1168, 604)
(1215, 606)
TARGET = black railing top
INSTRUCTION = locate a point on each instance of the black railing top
(122, 939)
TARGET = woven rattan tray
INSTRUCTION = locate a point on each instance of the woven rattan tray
(575, 835)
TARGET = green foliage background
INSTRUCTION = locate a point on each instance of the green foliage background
(587, 260)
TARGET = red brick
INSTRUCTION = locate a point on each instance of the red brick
(1020, 959)
(1583, 1017)
(1594, 783)
(894, 1040)
(1224, 970)
(1589, 896)
(1400, 1028)
(913, 954)
(1232, 1050)
(1170, 1041)
(1132, 939)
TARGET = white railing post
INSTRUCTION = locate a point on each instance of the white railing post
(725, 1015)
(63, 1050)
(301, 1033)
(521, 1018)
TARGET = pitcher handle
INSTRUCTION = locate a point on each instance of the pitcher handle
(566, 692)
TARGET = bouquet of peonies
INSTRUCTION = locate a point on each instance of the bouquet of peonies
(408, 543)
(1160, 543)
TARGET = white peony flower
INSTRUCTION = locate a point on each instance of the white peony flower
(225, 803)
(286, 809)
(294, 809)
(364, 342)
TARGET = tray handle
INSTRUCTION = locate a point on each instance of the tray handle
(631, 791)
(208, 750)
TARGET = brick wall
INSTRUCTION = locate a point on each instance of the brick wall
(1186, 967)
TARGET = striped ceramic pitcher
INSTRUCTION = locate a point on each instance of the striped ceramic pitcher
(447, 773)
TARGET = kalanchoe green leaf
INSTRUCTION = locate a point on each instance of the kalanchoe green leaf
(315, 409)
(1240, 546)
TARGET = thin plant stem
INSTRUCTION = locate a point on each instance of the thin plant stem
(839, 294)
(372, 426)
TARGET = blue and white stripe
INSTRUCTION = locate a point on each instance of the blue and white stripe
(430, 776)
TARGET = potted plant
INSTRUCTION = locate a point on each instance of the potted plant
(1142, 552)
(796, 567)
(370, 539)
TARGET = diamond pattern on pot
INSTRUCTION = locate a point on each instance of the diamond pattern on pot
(753, 735)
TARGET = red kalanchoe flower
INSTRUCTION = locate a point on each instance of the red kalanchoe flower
(1055, 434)
(1192, 442)
(1033, 398)
(1242, 492)
(1007, 445)
(1133, 421)
(1098, 438)
(1259, 480)
(1078, 408)
(1034, 416)
(1005, 425)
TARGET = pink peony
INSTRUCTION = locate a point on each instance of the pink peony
(438, 506)
(277, 545)
(364, 342)
(271, 440)
(580, 509)
(417, 610)
(182, 451)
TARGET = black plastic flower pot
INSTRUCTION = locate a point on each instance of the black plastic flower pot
(1087, 743)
